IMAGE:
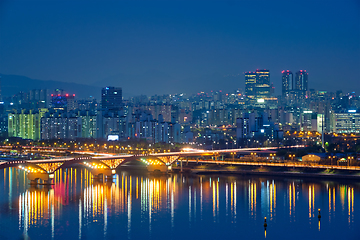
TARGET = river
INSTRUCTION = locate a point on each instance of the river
(176, 206)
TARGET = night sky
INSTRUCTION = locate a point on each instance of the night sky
(157, 47)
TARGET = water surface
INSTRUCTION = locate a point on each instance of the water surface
(142, 206)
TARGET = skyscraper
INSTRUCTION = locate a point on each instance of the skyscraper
(111, 98)
(301, 82)
(262, 85)
(257, 84)
(250, 81)
(287, 82)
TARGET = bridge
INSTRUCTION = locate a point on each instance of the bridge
(104, 165)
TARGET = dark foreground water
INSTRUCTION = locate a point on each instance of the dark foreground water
(136, 206)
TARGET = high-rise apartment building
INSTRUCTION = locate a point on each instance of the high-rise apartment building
(111, 98)
(60, 126)
(25, 123)
(287, 82)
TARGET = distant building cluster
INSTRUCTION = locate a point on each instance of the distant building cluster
(239, 118)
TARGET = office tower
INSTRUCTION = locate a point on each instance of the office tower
(301, 82)
(111, 98)
(345, 122)
(58, 101)
(250, 81)
(287, 82)
(262, 85)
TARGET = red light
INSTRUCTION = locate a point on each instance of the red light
(58, 95)
(67, 95)
(52, 95)
(74, 95)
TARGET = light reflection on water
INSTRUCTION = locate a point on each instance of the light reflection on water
(176, 207)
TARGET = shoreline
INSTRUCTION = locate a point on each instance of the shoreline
(277, 174)
(277, 171)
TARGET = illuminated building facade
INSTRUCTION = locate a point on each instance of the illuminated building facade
(26, 123)
(110, 123)
(287, 82)
(88, 124)
(311, 121)
(262, 85)
(301, 82)
(250, 81)
(60, 126)
(257, 85)
(111, 98)
(256, 125)
(346, 122)
(63, 101)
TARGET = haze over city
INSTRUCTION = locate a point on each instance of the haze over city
(159, 47)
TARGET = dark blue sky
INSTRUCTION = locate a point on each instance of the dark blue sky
(150, 47)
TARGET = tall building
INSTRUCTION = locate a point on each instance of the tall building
(345, 122)
(40, 98)
(257, 84)
(111, 98)
(88, 124)
(25, 123)
(262, 85)
(250, 81)
(60, 126)
(301, 82)
(287, 82)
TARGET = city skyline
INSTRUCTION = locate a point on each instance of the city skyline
(179, 119)
(94, 91)
(153, 48)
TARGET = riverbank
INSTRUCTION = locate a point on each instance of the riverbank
(273, 171)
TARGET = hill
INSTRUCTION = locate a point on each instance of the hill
(13, 84)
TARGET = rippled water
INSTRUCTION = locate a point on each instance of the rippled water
(176, 206)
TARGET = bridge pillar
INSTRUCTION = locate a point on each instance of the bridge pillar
(104, 173)
(34, 177)
(181, 168)
(154, 168)
(187, 161)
